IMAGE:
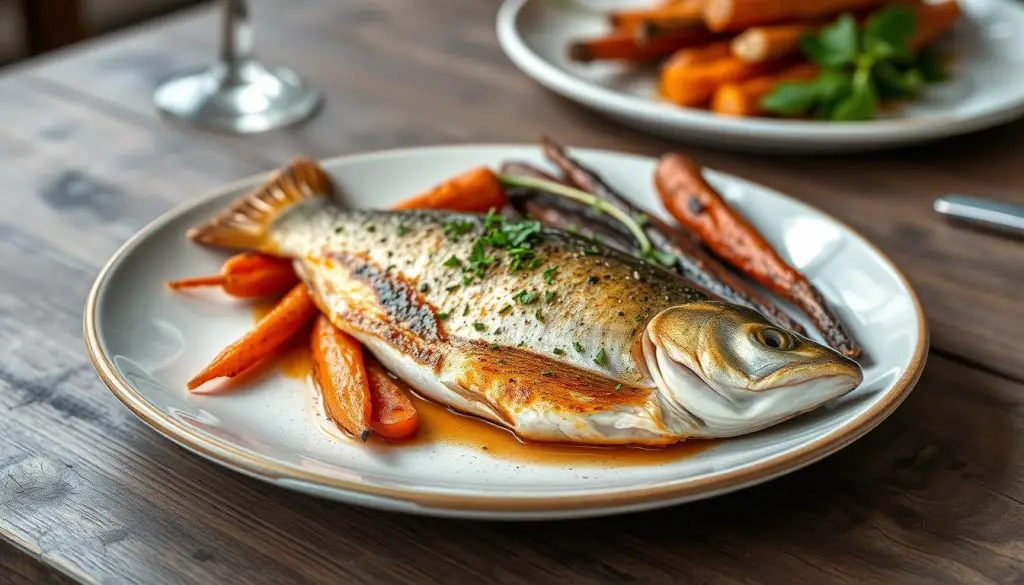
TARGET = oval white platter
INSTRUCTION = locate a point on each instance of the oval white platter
(984, 89)
(146, 341)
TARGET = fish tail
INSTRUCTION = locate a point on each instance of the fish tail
(244, 223)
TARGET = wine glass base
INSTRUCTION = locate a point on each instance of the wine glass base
(246, 100)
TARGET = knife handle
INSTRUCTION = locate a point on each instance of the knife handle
(997, 215)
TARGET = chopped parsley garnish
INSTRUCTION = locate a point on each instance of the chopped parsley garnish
(618, 387)
(479, 261)
(591, 251)
(576, 345)
(424, 287)
(504, 309)
(442, 315)
(535, 263)
(600, 357)
(403, 230)
(454, 229)
(558, 351)
(390, 267)
(452, 287)
(452, 262)
(465, 311)
(549, 275)
(467, 279)
(549, 297)
(339, 229)
(479, 326)
(525, 298)
(538, 315)
(547, 373)
(497, 330)
(493, 346)
(371, 228)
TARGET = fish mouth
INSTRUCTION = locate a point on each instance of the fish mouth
(702, 408)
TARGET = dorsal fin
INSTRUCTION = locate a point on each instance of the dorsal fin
(244, 223)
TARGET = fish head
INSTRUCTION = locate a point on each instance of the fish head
(731, 372)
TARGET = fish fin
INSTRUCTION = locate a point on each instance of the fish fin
(244, 223)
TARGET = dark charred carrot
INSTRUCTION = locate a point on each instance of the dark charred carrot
(339, 370)
(626, 46)
(274, 330)
(394, 417)
(247, 275)
(475, 191)
(697, 206)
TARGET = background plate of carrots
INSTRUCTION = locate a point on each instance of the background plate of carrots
(785, 76)
(152, 345)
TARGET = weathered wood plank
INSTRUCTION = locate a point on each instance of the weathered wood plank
(451, 83)
(17, 568)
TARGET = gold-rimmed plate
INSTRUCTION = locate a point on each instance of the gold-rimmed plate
(146, 342)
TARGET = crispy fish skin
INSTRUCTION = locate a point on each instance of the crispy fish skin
(604, 349)
(599, 298)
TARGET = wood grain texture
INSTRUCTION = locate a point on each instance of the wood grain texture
(935, 494)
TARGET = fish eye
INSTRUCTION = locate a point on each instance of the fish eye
(775, 339)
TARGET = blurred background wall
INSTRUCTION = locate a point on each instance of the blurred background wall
(33, 27)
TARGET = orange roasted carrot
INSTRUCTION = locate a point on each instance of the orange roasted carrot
(247, 275)
(737, 15)
(694, 85)
(744, 98)
(474, 191)
(672, 16)
(762, 43)
(697, 55)
(932, 21)
(340, 372)
(394, 417)
(699, 208)
(290, 315)
(626, 46)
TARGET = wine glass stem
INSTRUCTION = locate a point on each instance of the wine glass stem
(236, 38)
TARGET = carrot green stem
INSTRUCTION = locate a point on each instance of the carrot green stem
(582, 197)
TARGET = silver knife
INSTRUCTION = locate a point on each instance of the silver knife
(988, 213)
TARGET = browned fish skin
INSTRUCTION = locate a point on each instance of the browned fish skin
(597, 300)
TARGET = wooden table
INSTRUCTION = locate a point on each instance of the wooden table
(88, 492)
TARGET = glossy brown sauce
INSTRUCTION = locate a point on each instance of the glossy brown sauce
(438, 424)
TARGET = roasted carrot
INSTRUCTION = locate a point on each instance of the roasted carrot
(474, 191)
(340, 372)
(697, 206)
(671, 17)
(247, 275)
(394, 417)
(744, 98)
(932, 21)
(762, 43)
(737, 15)
(696, 55)
(694, 85)
(625, 46)
(692, 262)
(290, 315)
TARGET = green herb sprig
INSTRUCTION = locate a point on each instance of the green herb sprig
(860, 66)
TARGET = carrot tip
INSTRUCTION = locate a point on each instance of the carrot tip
(579, 52)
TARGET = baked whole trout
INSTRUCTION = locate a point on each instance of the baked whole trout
(548, 334)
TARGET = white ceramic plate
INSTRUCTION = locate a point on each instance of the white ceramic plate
(146, 342)
(985, 88)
